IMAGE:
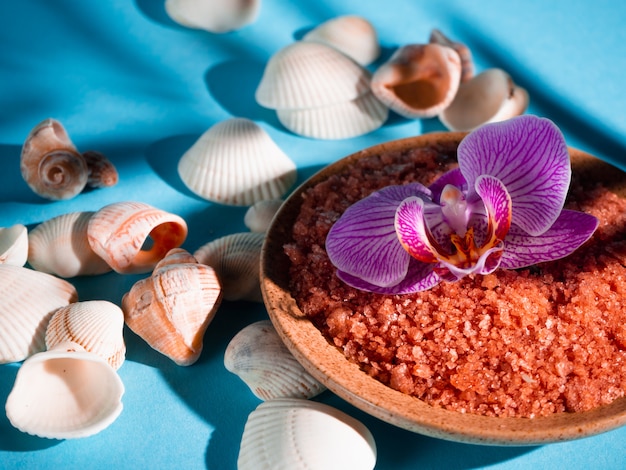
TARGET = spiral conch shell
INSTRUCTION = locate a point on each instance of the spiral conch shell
(14, 245)
(216, 16)
(172, 309)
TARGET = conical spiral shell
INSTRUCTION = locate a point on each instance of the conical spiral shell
(14, 245)
(465, 54)
(101, 171)
(259, 216)
(216, 16)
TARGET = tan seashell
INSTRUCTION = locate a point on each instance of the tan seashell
(60, 246)
(64, 393)
(172, 309)
(101, 171)
(28, 299)
(258, 356)
(419, 80)
(236, 162)
(294, 433)
(50, 163)
(216, 16)
(465, 54)
(235, 258)
(96, 325)
(352, 35)
(259, 216)
(14, 245)
(488, 97)
(132, 237)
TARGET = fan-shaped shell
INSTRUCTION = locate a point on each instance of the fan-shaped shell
(259, 216)
(64, 393)
(258, 356)
(465, 54)
(172, 309)
(96, 325)
(236, 260)
(28, 299)
(14, 245)
(121, 233)
(216, 16)
(236, 162)
(291, 433)
(60, 246)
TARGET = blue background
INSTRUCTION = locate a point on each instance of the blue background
(127, 81)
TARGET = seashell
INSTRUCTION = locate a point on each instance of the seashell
(172, 309)
(28, 299)
(60, 246)
(236, 162)
(258, 356)
(132, 237)
(418, 80)
(259, 216)
(64, 393)
(216, 16)
(14, 245)
(352, 35)
(236, 259)
(101, 171)
(467, 61)
(308, 74)
(96, 325)
(50, 163)
(293, 433)
(488, 97)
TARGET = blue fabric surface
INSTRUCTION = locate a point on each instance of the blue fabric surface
(126, 80)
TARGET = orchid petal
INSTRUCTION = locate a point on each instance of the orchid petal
(497, 204)
(488, 262)
(529, 155)
(453, 177)
(412, 231)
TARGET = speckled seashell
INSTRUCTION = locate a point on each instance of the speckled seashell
(101, 171)
(488, 97)
(465, 54)
(60, 246)
(132, 237)
(14, 245)
(236, 162)
(351, 35)
(50, 163)
(259, 216)
(28, 299)
(172, 309)
(216, 16)
(258, 356)
(419, 80)
(65, 393)
(294, 433)
(96, 325)
(236, 259)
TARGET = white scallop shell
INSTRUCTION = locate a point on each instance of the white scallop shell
(258, 356)
(216, 16)
(60, 246)
(28, 299)
(64, 393)
(236, 259)
(14, 245)
(308, 74)
(259, 216)
(291, 433)
(236, 162)
(96, 325)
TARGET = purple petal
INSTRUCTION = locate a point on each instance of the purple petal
(529, 155)
(412, 231)
(453, 177)
(497, 203)
(569, 232)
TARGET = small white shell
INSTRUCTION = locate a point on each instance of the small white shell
(60, 246)
(216, 16)
(259, 216)
(236, 260)
(14, 245)
(291, 433)
(64, 393)
(258, 356)
(236, 162)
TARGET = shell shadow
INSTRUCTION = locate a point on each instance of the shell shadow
(9, 190)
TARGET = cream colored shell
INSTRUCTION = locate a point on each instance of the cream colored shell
(216, 16)
(14, 245)
(259, 216)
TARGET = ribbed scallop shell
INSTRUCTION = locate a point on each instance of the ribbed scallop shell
(132, 237)
(28, 299)
(258, 356)
(60, 246)
(64, 393)
(14, 245)
(259, 216)
(236, 260)
(96, 325)
(290, 433)
(172, 309)
(216, 16)
(236, 162)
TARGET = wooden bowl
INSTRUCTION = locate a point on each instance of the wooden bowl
(328, 364)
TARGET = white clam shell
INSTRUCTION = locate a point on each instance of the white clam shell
(216, 16)
(64, 393)
(14, 245)
(60, 246)
(291, 433)
(96, 325)
(28, 299)
(236, 162)
(259, 216)
(258, 356)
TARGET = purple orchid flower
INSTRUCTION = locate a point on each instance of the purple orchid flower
(502, 208)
